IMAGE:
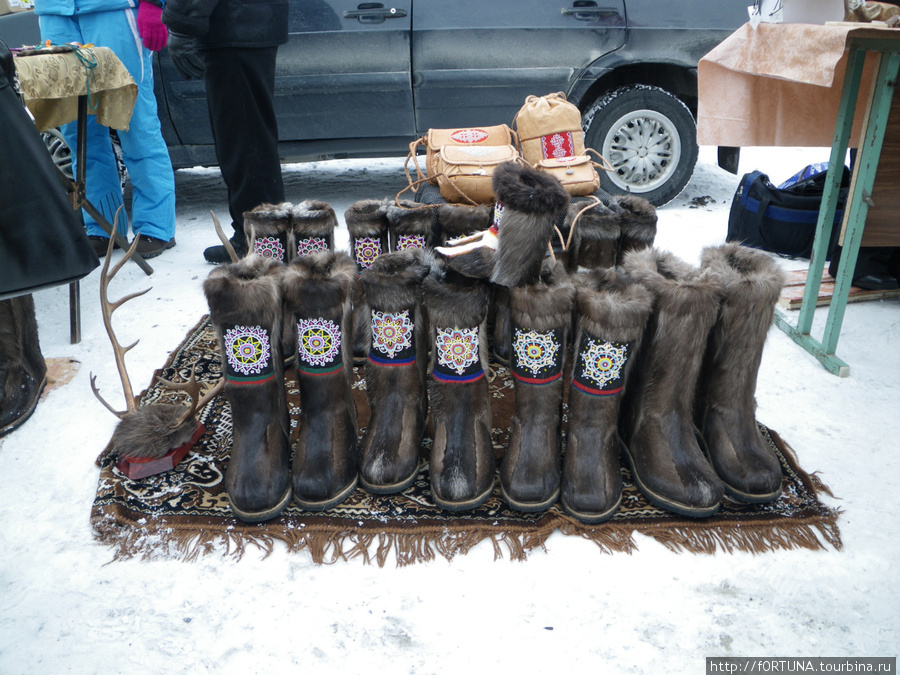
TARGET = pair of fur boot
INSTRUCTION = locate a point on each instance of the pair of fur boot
(285, 231)
(251, 302)
(688, 417)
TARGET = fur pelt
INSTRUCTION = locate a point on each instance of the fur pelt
(367, 218)
(459, 220)
(269, 220)
(658, 408)
(751, 284)
(324, 467)
(532, 201)
(596, 236)
(150, 432)
(313, 218)
(477, 263)
(637, 223)
(462, 458)
(530, 472)
(410, 218)
(397, 395)
(257, 480)
(22, 368)
(611, 306)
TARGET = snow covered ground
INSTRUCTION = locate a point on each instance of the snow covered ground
(64, 608)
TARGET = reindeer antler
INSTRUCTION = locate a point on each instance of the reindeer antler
(108, 308)
(193, 388)
(225, 242)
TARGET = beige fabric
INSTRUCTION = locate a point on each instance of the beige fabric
(576, 174)
(553, 117)
(465, 173)
(52, 84)
(780, 84)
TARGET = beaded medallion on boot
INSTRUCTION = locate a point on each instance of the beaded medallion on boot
(245, 308)
(462, 455)
(316, 292)
(541, 318)
(367, 222)
(611, 311)
(409, 226)
(313, 224)
(395, 372)
(267, 229)
(726, 394)
(660, 439)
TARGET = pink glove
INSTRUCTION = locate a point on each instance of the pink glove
(153, 31)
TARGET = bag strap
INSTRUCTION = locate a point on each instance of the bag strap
(566, 242)
(604, 163)
(412, 186)
(414, 157)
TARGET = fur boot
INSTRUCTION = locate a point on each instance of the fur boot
(726, 403)
(462, 456)
(268, 231)
(367, 222)
(23, 373)
(395, 372)
(541, 317)
(245, 308)
(410, 226)
(660, 438)
(316, 291)
(313, 224)
(611, 311)
(461, 220)
(595, 239)
(637, 224)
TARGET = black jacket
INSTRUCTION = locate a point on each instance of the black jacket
(229, 23)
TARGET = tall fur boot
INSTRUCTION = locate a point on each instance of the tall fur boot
(611, 311)
(541, 317)
(268, 231)
(23, 372)
(462, 457)
(367, 222)
(637, 224)
(312, 223)
(660, 438)
(245, 308)
(409, 226)
(726, 409)
(461, 220)
(595, 240)
(316, 291)
(395, 372)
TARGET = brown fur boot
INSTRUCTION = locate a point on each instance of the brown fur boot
(660, 438)
(317, 294)
(367, 222)
(462, 455)
(313, 223)
(245, 308)
(594, 242)
(410, 226)
(637, 224)
(611, 312)
(268, 231)
(541, 318)
(395, 372)
(23, 373)
(726, 410)
(461, 220)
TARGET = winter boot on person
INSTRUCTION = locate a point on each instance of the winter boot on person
(660, 439)
(510, 252)
(367, 222)
(267, 229)
(611, 312)
(462, 455)
(637, 224)
(541, 318)
(595, 239)
(410, 226)
(726, 394)
(312, 223)
(395, 372)
(23, 372)
(316, 292)
(245, 308)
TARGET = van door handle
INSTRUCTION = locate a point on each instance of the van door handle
(589, 11)
(374, 12)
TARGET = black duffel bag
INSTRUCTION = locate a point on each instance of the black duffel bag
(782, 220)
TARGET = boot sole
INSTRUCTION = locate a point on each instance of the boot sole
(16, 423)
(591, 518)
(394, 488)
(328, 503)
(530, 507)
(668, 504)
(466, 505)
(268, 514)
(748, 498)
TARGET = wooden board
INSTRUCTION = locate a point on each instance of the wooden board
(792, 293)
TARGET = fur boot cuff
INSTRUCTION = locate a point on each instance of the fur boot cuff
(545, 305)
(393, 282)
(410, 225)
(611, 306)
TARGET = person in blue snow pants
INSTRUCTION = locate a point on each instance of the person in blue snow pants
(132, 29)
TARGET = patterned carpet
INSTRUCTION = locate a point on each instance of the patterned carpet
(184, 513)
